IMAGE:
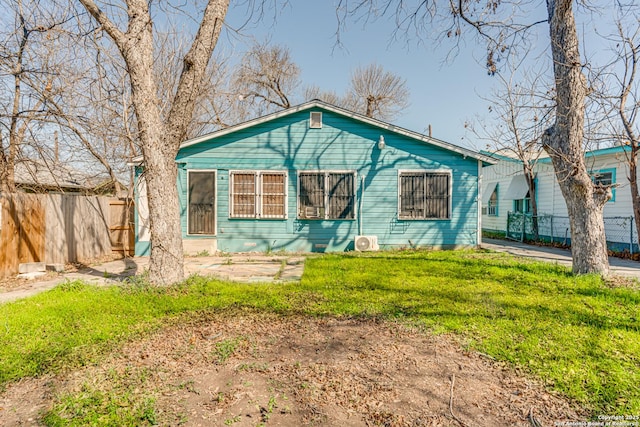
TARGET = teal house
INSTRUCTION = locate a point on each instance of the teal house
(316, 178)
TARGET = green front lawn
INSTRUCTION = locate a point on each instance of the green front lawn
(575, 333)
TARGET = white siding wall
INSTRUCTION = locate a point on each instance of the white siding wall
(621, 204)
(548, 194)
(549, 197)
(500, 173)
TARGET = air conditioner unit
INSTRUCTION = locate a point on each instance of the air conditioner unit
(311, 212)
(366, 243)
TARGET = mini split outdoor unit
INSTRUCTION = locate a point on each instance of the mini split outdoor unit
(366, 243)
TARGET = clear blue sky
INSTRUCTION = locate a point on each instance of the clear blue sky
(444, 95)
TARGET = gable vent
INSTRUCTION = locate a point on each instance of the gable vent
(315, 120)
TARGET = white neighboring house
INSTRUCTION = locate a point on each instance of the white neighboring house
(505, 190)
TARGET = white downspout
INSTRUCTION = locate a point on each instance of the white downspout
(361, 203)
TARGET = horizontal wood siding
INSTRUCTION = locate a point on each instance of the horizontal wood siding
(345, 145)
(548, 193)
(501, 173)
(621, 204)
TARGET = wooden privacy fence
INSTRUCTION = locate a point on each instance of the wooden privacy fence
(59, 228)
(121, 226)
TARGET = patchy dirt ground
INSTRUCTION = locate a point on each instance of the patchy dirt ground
(15, 282)
(251, 370)
(10, 283)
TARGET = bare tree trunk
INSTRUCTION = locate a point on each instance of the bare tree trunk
(369, 110)
(160, 140)
(21, 115)
(8, 177)
(563, 142)
(7, 167)
(4, 169)
(531, 182)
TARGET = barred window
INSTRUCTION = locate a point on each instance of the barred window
(201, 201)
(424, 195)
(243, 195)
(258, 194)
(273, 189)
(326, 195)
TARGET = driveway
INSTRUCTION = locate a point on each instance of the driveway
(622, 267)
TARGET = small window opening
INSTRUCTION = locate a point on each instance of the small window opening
(315, 120)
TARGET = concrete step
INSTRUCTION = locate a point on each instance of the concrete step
(32, 267)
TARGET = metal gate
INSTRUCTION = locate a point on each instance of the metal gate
(620, 232)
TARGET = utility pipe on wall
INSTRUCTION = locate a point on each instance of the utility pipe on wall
(361, 202)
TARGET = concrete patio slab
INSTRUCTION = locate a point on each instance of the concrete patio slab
(255, 268)
(247, 268)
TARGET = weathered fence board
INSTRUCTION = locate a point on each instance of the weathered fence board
(8, 238)
(21, 233)
(31, 215)
(121, 226)
(55, 228)
(77, 228)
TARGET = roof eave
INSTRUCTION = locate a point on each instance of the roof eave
(320, 104)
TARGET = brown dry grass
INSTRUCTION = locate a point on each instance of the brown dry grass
(244, 369)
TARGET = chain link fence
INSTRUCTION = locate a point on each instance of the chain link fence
(620, 231)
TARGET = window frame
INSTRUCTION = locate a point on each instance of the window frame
(593, 173)
(326, 208)
(525, 202)
(315, 124)
(447, 172)
(259, 193)
(215, 201)
(495, 206)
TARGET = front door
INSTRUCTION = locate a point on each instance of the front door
(201, 202)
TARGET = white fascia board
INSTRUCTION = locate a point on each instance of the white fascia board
(320, 104)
